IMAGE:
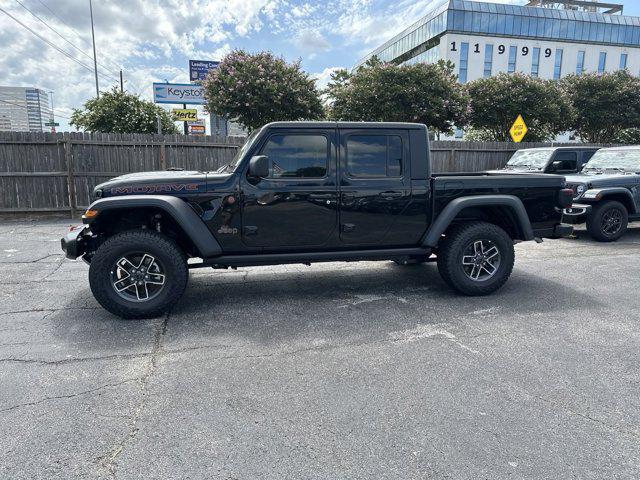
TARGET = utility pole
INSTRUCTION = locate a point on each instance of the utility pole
(95, 59)
(121, 83)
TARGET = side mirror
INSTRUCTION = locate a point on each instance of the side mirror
(259, 166)
(557, 165)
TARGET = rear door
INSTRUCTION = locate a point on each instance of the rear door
(374, 186)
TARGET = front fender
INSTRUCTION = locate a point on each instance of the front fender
(597, 194)
(440, 225)
(178, 209)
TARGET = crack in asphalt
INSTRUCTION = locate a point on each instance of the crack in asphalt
(108, 461)
(72, 395)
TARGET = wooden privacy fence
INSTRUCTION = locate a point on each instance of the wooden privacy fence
(44, 172)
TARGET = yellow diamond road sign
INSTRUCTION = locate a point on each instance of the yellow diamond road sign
(518, 129)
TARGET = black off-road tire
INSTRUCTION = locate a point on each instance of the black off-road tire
(451, 251)
(597, 219)
(162, 248)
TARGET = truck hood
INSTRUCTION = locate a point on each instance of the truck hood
(171, 182)
(601, 179)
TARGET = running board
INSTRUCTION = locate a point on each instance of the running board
(243, 260)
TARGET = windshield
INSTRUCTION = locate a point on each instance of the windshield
(627, 160)
(530, 158)
(241, 151)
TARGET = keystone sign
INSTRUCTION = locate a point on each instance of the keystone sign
(178, 93)
(198, 69)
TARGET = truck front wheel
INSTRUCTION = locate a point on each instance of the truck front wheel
(138, 274)
(476, 258)
(608, 221)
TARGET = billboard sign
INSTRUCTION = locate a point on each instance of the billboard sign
(178, 93)
(184, 114)
(198, 69)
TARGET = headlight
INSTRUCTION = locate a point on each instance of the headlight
(580, 189)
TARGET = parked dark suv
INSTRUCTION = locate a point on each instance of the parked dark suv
(607, 193)
(559, 160)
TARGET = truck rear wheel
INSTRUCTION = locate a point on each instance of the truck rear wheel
(608, 221)
(138, 274)
(476, 258)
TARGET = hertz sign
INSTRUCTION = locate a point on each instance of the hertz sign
(185, 114)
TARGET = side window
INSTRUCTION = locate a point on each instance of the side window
(371, 156)
(569, 160)
(297, 156)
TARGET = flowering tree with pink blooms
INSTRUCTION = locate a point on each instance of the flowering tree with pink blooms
(254, 89)
(385, 92)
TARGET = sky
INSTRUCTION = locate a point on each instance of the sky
(153, 40)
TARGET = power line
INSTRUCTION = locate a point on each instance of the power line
(113, 62)
(51, 44)
(61, 36)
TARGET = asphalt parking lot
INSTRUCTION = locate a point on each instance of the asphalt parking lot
(334, 371)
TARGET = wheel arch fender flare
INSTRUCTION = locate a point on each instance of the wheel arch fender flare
(597, 194)
(178, 209)
(449, 213)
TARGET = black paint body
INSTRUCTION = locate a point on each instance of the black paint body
(337, 212)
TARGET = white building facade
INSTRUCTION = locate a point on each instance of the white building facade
(24, 109)
(483, 39)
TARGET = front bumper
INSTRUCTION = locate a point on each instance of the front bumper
(73, 243)
(577, 214)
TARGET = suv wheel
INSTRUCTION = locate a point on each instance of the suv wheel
(476, 258)
(608, 221)
(138, 274)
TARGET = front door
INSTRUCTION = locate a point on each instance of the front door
(375, 187)
(296, 205)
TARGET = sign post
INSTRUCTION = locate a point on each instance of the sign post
(518, 129)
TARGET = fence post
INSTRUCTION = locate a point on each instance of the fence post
(452, 157)
(71, 180)
(163, 156)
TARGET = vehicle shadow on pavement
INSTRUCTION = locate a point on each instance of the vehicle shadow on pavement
(357, 301)
(631, 236)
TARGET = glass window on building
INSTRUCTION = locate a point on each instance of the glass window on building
(580, 64)
(488, 60)
(623, 61)
(535, 62)
(513, 55)
(464, 62)
(557, 68)
(602, 62)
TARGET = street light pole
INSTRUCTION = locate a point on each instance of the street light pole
(95, 59)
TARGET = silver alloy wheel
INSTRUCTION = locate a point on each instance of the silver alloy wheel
(481, 260)
(138, 277)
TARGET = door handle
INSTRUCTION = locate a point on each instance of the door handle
(391, 194)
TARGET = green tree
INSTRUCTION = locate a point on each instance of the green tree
(424, 93)
(604, 104)
(497, 101)
(121, 112)
(254, 89)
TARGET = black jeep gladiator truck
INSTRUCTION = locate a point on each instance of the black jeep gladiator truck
(558, 160)
(304, 192)
(607, 193)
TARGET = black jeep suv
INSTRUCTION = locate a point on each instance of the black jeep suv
(303, 192)
(559, 160)
(607, 193)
